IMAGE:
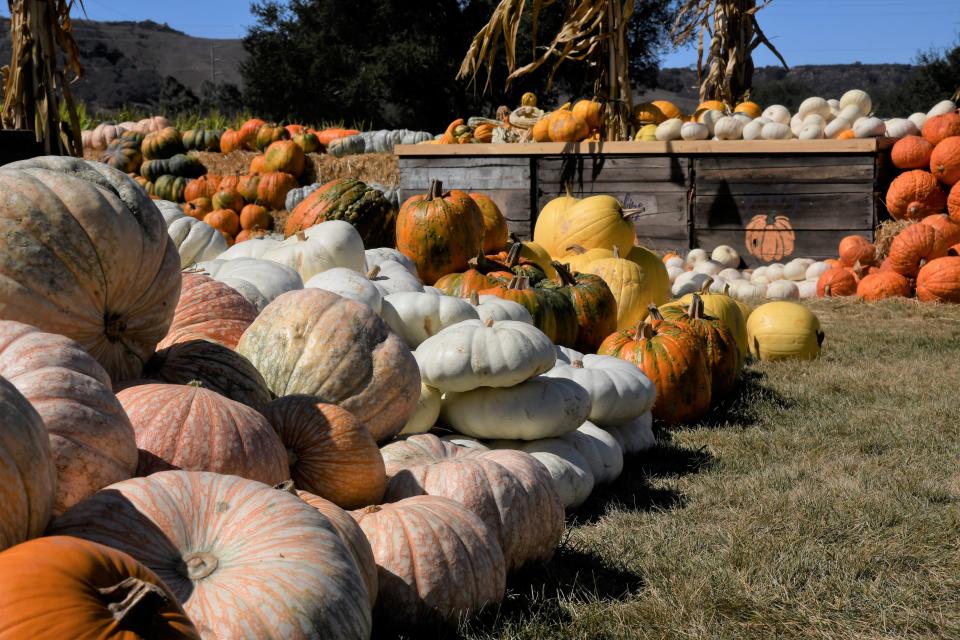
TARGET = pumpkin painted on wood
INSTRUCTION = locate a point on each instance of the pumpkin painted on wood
(915, 246)
(939, 280)
(882, 285)
(945, 161)
(224, 220)
(90, 259)
(231, 140)
(770, 237)
(273, 187)
(783, 331)
(436, 560)
(440, 231)
(594, 307)
(123, 155)
(285, 156)
(353, 201)
(209, 310)
(66, 587)
(496, 233)
(28, 475)
(162, 144)
(316, 343)
(246, 561)
(330, 453)
(914, 195)
(911, 152)
(206, 186)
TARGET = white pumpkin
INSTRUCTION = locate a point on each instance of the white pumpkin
(635, 436)
(796, 269)
(675, 261)
(377, 257)
(870, 128)
(694, 131)
(859, 99)
(815, 106)
(425, 415)
(570, 471)
(669, 130)
(696, 256)
(619, 390)
(601, 451)
(477, 353)
(169, 210)
(760, 275)
(850, 113)
(718, 285)
(393, 277)
(538, 408)
(752, 130)
(776, 131)
(811, 132)
(742, 117)
(783, 290)
(259, 281)
(836, 127)
(689, 282)
(775, 272)
(918, 119)
(729, 128)
(777, 113)
(348, 284)
(941, 108)
(815, 270)
(567, 355)
(415, 315)
(726, 256)
(901, 127)
(729, 275)
(807, 289)
(465, 441)
(796, 124)
(744, 290)
(675, 272)
(710, 267)
(496, 308)
(195, 240)
(334, 243)
(710, 118)
(252, 248)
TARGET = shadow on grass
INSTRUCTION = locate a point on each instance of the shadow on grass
(743, 405)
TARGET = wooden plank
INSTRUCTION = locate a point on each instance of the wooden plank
(464, 162)
(617, 169)
(724, 189)
(819, 244)
(764, 162)
(805, 211)
(834, 173)
(466, 178)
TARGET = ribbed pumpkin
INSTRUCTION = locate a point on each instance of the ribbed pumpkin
(675, 360)
(496, 233)
(435, 560)
(248, 132)
(948, 228)
(268, 134)
(856, 249)
(633, 286)
(273, 187)
(227, 200)
(66, 587)
(330, 453)
(168, 187)
(86, 254)
(197, 208)
(721, 350)
(590, 111)
(246, 185)
(285, 156)
(546, 230)
(953, 203)
(91, 439)
(205, 186)
(214, 366)
(192, 428)
(594, 222)
(224, 220)
(552, 311)
(28, 476)
(246, 561)
(123, 155)
(837, 281)
(541, 130)
(939, 280)
(439, 231)
(314, 342)
(914, 246)
(882, 285)
(209, 310)
(915, 194)
(231, 141)
(594, 307)
(565, 126)
(255, 216)
(353, 201)
(257, 165)
(465, 283)
(201, 139)
(509, 490)
(161, 144)
(945, 161)
(911, 152)
(939, 128)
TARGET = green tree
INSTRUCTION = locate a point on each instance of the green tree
(936, 78)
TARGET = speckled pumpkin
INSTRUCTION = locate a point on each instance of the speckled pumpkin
(594, 307)
(353, 201)
(941, 127)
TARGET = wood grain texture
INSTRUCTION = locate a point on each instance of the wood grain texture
(816, 244)
(679, 147)
(805, 211)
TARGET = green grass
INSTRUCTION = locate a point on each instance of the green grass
(822, 502)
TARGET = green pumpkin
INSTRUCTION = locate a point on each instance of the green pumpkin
(133, 135)
(594, 306)
(268, 134)
(351, 145)
(123, 154)
(180, 165)
(202, 139)
(308, 142)
(170, 188)
(162, 144)
(353, 201)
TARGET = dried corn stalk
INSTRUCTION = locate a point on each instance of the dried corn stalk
(33, 84)
(593, 31)
(734, 33)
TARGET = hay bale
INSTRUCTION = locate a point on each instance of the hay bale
(886, 232)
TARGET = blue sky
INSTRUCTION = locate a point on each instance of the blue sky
(805, 31)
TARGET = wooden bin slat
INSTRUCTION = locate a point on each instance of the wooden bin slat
(816, 244)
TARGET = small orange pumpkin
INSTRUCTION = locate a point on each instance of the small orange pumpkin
(883, 284)
(565, 126)
(590, 111)
(854, 249)
(941, 127)
(227, 200)
(913, 195)
(911, 152)
(248, 133)
(202, 187)
(230, 141)
(255, 216)
(247, 186)
(838, 281)
(945, 161)
(197, 208)
(495, 230)
(258, 165)
(225, 221)
(913, 247)
(273, 187)
(284, 155)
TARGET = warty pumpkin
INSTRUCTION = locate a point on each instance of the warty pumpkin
(882, 285)
(945, 161)
(245, 561)
(941, 127)
(915, 246)
(911, 152)
(948, 228)
(352, 201)
(65, 587)
(939, 280)
(838, 281)
(854, 249)
(953, 204)
(86, 254)
(914, 195)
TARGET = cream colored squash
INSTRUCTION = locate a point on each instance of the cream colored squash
(747, 291)
(870, 128)
(393, 277)
(497, 309)
(466, 441)
(195, 240)
(600, 449)
(811, 132)
(859, 99)
(416, 316)
(731, 274)
(807, 289)
(566, 355)
(776, 131)
(796, 125)
(753, 130)
(836, 127)
(727, 256)
(252, 248)
(744, 118)
(710, 267)
(619, 390)
(816, 106)
(815, 270)
(571, 473)
(775, 272)
(759, 275)
(710, 118)
(941, 108)
(675, 261)
(694, 131)
(376, 257)
(669, 130)
(729, 128)
(474, 354)
(348, 284)
(334, 243)
(675, 272)
(796, 269)
(783, 290)
(425, 415)
(784, 330)
(635, 436)
(169, 210)
(690, 282)
(918, 119)
(696, 256)
(259, 281)
(777, 113)
(901, 127)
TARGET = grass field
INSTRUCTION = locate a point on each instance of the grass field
(822, 502)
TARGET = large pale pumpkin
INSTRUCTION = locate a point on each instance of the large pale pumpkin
(594, 222)
(91, 438)
(209, 310)
(316, 343)
(85, 253)
(435, 560)
(548, 224)
(329, 452)
(188, 427)
(64, 587)
(246, 561)
(635, 287)
(28, 476)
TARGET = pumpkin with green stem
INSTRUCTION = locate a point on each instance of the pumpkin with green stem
(552, 311)
(593, 303)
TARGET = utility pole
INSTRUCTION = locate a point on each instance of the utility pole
(213, 63)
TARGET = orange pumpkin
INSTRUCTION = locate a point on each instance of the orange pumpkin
(846, 135)
(939, 128)
(667, 256)
(838, 281)
(913, 247)
(440, 232)
(945, 161)
(246, 186)
(948, 228)
(248, 133)
(330, 453)
(883, 284)
(255, 216)
(911, 152)
(273, 187)
(202, 187)
(565, 126)
(224, 220)
(249, 234)
(856, 249)
(257, 165)
(329, 135)
(953, 203)
(268, 134)
(495, 230)
(770, 237)
(590, 111)
(939, 280)
(295, 129)
(541, 130)
(483, 132)
(231, 140)
(914, 195)
(66, 587)
(227, 200)
(197, 208)
(229, 183)
(284, 155)
(209, 310)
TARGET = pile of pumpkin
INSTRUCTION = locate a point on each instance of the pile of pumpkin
(569, 123)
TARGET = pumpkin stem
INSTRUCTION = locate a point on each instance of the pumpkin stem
(436, 190)
(199, 565)
(616, 251)
(513, 256)
(195, 383)
(826, 291)
(577, 249)
(706, 285)
(577, 364)
(114, 327)
(373, 508)
(696, 307)
(301, 236)
(646, 331)
(139, 601)
(633, 214)
(474, 298)
(488, 322)
(374, 272)
(654, 312)
(287, 485)
(563, 271)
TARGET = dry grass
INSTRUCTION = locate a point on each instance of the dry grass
(822, 502)
(886, 232)
(382, 168)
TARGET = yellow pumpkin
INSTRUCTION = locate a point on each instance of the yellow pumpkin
(535, 253)
(528, 100)
(633, 287)
(707, 105)
(745, 309)
(784, 330)
(590, 111)
(752, 109)
(579, 261)
(668, 109)
(647, 113)
(597, 221)
(647, 133)
(544, 231)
